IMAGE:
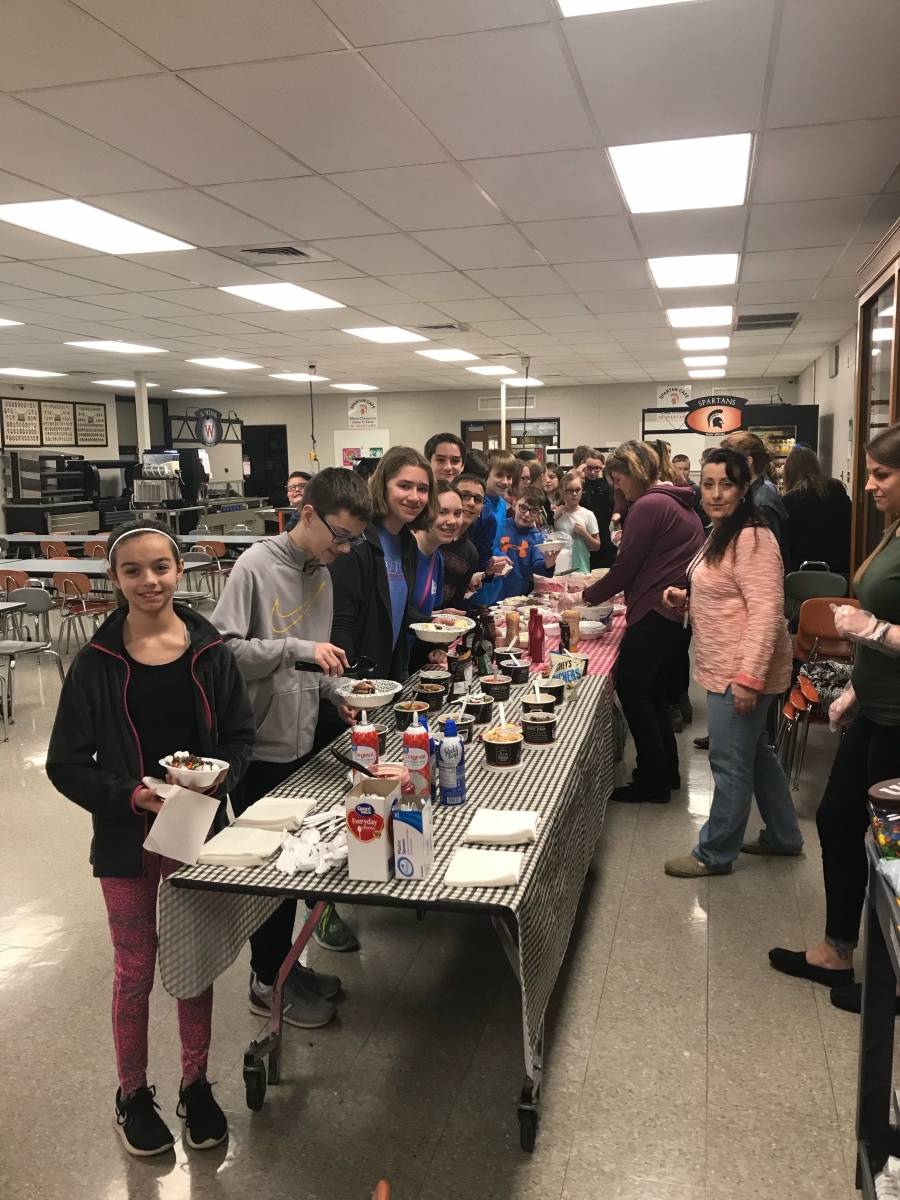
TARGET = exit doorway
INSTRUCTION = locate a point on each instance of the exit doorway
(266, 447)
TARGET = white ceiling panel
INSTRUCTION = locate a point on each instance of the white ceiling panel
(636, 320)
(209, 145)
(484, 94)
(831, 308)
(210, 300)
(484, 246)
(720, 50)
(477, 310)
(507, 329)
(405, 315)
(14, 190)
(38, 147)
(850, 159)
(586, 239)
(42, 279)
(207, 33)
(332, 112)
(23, 244)
(881, 216)
(605, 276)
(143, 305)
(760, 266)
(307, 208)
(385, 254)
(118, 272)
(838, 288)
(563, 305)
(79, 309)
(431, 196)
(572, 324)
(520, 281)
(190, 215)
(202, 267)
(445, 285)
(362, 291)
(805, 223)
(379, 21)
(44, 43)
(313, 272)
(622, 301)
(552, 186)
(782, 291)
(852, 259)
(836, 62)
(706, 231)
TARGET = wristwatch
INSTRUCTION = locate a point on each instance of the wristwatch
(881, 633)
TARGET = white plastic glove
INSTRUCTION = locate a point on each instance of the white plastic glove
(843, 710)
(859, 625)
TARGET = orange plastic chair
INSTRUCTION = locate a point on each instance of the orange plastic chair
(54, 549)
(10, 580)
(95, 549)
(816, 634)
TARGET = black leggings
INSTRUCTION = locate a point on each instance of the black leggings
(868, 754)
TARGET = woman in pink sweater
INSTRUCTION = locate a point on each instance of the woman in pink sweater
(743, 659)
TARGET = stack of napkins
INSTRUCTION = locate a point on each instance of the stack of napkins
(235, 847)
(484, 868)
(502, 827)
(276, 812)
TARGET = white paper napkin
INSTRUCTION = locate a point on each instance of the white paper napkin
(500, 827)
(181, 825)
(235, 847)
(276, 812)
(484, 868)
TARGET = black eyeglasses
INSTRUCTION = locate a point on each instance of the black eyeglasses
(475, 497)
(341, 539)
(526, 508)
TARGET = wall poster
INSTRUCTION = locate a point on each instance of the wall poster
(90, 424)
(21, 422)
(57, 423)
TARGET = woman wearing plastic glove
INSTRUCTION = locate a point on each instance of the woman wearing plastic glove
(870, 749)
(735, 584)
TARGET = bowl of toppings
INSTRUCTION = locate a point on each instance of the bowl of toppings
(594, 612)
(193, 770)
(551, 545)
(481, 708)
(432, 694)
(406, 710)
(443, 629)
(496, 686)
(503, 746)
(367, 693)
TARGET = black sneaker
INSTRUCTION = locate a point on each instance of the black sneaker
(140, 1126)
(204, 1122)
(633, 793)
(702, 743)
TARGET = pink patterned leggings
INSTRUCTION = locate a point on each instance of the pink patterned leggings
(131, 909)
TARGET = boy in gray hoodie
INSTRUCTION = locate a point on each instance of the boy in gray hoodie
(276, 610)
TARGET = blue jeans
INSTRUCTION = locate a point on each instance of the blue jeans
(742, 763)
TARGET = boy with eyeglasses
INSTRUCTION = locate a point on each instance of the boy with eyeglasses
(276, 610)
(520, 541)
(597, 498)
(297, 481)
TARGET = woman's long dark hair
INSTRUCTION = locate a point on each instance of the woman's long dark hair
(745, 515)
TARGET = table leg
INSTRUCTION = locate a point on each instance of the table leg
(268, 1046)
(528, 1110)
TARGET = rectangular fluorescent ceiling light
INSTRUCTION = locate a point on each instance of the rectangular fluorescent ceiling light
(583, 8)
(704, 343)
(386, 333)
(714, 374)
(709, 172)
(286, 296)
(696, 318)
(199, 392)
(126, 383)
(301, 377)
(694, 270)
(83, 225)
(119, 347)
(449, 355)
(707, 360)
(225, 364)
(885, 334)
(521, 381)
(29, 373)
(491, 370)
(355, 387)
(4, 321)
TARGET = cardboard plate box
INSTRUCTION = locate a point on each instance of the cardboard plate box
(413, 838)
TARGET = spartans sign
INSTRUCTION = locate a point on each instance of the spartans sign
(208, 426)
(715, 414)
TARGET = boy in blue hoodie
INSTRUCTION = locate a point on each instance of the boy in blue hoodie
(519, 540)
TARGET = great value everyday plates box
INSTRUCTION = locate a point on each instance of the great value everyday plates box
(370, 847)
(413, 838)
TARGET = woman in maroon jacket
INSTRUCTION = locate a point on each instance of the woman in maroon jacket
(661, 536)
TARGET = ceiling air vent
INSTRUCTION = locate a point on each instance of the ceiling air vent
(274, 255)
(749, 322)
(443, 327)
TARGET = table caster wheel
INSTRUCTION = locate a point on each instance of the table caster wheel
(528, 1123)
(255, 1083)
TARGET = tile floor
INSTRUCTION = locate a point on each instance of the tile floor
(679, 1065)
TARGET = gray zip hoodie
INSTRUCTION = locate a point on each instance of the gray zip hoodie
(275, 607)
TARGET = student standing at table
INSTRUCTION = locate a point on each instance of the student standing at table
(428, 593)
(460, 556)
(275, 611)
(297, 481)
(550, 483)
(520, 542)
(578, 524)
(597, 498)
(155, 678)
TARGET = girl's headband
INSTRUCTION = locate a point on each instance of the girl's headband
(145, 529)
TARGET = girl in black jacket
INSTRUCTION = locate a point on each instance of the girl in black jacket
(153, 679)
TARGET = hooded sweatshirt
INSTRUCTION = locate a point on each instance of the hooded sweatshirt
(276, 606)
(659, 540)
(520, 547)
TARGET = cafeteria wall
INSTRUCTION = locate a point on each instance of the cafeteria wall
(836, 398)
(604, 413)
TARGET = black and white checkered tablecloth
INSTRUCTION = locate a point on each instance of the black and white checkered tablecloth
(207, 913)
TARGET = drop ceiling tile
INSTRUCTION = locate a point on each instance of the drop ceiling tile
(560, 306)
(477, 92)
(405, 315)
(703, 231)
(333, 112)
(636, 320)
(520, 281)
(362, 291)
(605, 276)
(551, 186)
(852, 259)
(430, 196)
(383, 254)
(838, 288)
(187, 136)
(118, 272)
(314, 272)
(201, 267)
(852, 158)
(831, 308)
(190, 215)
(802, 223)
(79, 309)
(37, 146)
(633, 337)
(823, 324)
(15, 190)
(484, 246)
(212, 32)
(71, 47)
(143, 305)
(721, 50)
(881, 216)
(774, 293)
(307, 208)
(834, 62)
(622, 301)
(211, 300)
(573, 324)
(444, 285)
(147, 327)
(587, 339)
(697, 297)
(765, 265)
(55, 283)
(477, 311)
(380, 21)
(585, 239)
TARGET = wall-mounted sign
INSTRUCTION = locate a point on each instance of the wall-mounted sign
(663, 420)
(57, 423)
(90, 424)
(715, 414)
(21, 422)
(673, 397)
(208, 426)
(363, 413)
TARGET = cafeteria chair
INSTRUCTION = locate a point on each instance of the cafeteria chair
(74, 590)
(11, 580)
(38, 604)
(200, 577)
(816, 634)
(218, 573)
(96, 548)
(807, 585)
(10, 651)
(52, 548)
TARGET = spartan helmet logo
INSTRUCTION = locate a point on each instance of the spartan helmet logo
(208, 426)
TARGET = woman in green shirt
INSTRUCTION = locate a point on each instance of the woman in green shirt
(870, 749)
